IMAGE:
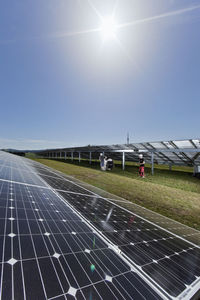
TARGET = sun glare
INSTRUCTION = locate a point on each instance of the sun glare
(108, 28)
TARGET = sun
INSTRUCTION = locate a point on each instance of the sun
(108, 28)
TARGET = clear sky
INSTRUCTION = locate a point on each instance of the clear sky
(68, 78)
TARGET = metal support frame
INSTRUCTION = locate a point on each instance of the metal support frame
(177, 155)
(160, 155)
(195, 157)
(189, 155)
(123, 160)
(193, 144)
(90, 161)
(152, 163)
(79, 157)
(146, 150)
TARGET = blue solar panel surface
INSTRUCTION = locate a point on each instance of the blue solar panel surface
(61, 241)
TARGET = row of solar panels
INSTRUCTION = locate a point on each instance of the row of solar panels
(59, 240)
(185, 152)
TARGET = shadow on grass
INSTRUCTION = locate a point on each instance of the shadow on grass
(131, 171)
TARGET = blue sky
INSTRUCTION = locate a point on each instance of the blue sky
(63, 86)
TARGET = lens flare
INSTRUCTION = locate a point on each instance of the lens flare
(108, 28)
(92, 268)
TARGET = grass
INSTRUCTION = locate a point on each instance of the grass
(175, 194)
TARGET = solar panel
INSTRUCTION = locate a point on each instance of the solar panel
(59, 240)
(173, 226)
(183, 152)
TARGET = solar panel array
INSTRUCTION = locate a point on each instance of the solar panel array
(59, 240)
(184, 152)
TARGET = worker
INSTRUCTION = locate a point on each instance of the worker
(109, 164)
(102, 161)
(141, 165)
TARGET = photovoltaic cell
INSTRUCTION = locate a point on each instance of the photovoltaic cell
(160, 254)
(61, 241)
